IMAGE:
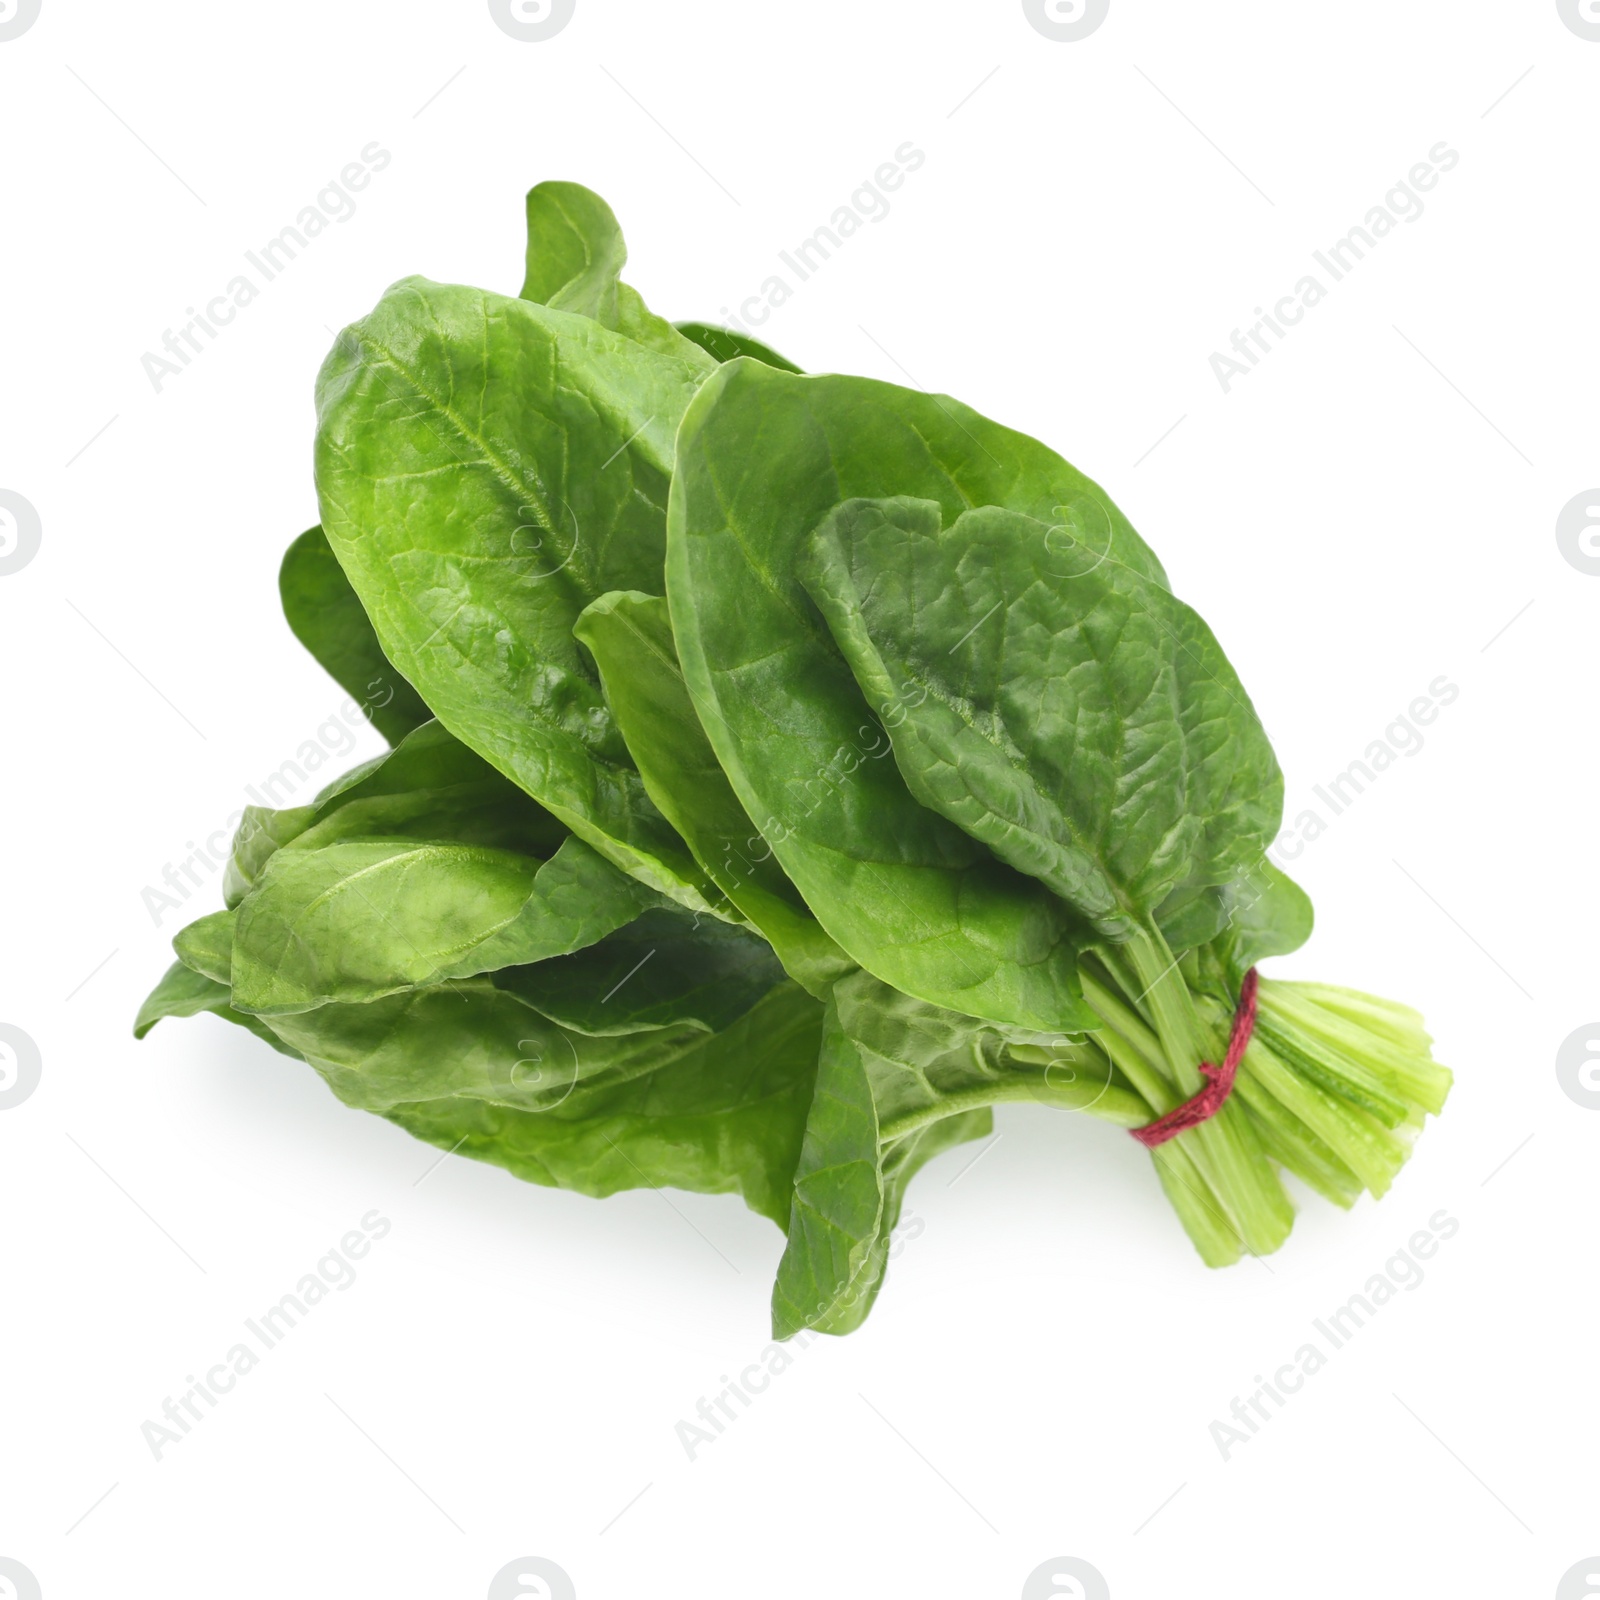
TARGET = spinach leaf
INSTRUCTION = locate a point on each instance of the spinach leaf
(184, 992)
(262, 832)
(724, 1115)
(785, 770)
(663, 969)
(206, 945)
(727, 345)
(486, 468)
(574, 263)
(630, 637)
(467, 1039)
(430, 786)
(358, 919)
(762, 457)
(897, 1082)
(1266, 914)
(327, 618)
(1071, 714)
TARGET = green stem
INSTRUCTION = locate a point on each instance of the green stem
(1101, 1099)
(1225, 1150)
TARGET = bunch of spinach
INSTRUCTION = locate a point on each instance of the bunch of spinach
(784, 771)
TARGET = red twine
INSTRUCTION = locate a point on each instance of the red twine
(1219, 1080)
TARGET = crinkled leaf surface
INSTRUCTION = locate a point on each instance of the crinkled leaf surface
(1075, 717)
(487, 467)
(763, 456)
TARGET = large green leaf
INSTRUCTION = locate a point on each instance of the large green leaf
(630, 637)
(326, 617)
(723, 1114)
(762, 457)
(358, 919)
(486, 467)
(465, 1038)
(1075, 717)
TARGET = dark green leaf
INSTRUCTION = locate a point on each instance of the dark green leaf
(1073, 716)
(897, 1083)
(763, 456)
(724, 1115)
(327, 619)
(464, 1038)
(664, 969)
(727, 345)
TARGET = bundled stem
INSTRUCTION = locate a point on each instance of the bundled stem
(1333, 1087)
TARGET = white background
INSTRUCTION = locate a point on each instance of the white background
(1368, 510)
